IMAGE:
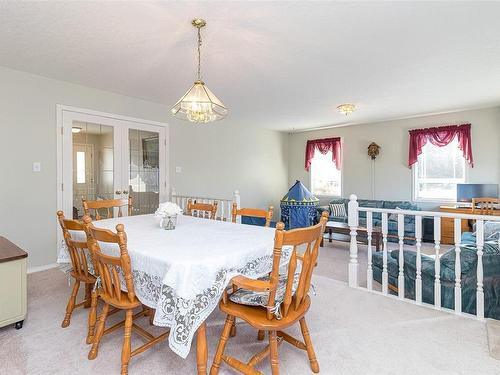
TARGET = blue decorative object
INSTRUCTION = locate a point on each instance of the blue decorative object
(298, 207)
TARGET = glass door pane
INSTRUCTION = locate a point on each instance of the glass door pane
(144, 170)
(93, 158)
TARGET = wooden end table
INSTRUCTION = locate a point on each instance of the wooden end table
(342, 228)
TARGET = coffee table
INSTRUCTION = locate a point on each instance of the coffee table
(342, 228)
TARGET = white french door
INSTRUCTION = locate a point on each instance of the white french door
(103, 156)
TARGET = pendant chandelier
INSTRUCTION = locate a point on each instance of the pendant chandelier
(199, 104)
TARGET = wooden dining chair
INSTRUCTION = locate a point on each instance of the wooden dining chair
(108, 205)
(253, 212)
(80, 259)
(275, 302)
(111, 270)
(204, 210)
(484, 206)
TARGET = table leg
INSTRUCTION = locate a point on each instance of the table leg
(377, 242)
(329, 234)
(201, 349)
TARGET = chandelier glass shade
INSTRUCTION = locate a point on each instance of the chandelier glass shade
(199, 104)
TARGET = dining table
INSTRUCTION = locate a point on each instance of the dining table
(182, 273)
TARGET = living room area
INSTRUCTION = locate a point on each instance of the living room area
(343, 168)
(442, 179)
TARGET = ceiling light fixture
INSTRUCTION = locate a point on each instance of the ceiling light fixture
(346, 108)
(199, 104)
(76, 129)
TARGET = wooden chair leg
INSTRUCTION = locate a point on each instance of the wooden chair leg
(222, 345)
(309, 346)
(151, 316)
(260, 335)
(126, 342)
(92, 317)
(273, 346)
(71, 304)
(99, 332)
(233, 328)
(201, 349)
(88, 295)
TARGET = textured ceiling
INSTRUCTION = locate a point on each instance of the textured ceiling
(276, 65)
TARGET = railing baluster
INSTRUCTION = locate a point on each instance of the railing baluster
(437, 265)
(369, 270)
(353, 219)
(385, 275)
(458, 268)
(401, 261)
(237, 200)
(418, 278)
(480, 292)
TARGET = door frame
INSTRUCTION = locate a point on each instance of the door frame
(64, 140)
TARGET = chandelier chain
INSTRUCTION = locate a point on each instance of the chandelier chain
(199, 54)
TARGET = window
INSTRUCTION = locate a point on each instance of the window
(325, 177)
(438, 171)
(80, 167)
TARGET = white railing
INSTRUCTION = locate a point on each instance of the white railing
(224, 206)
(353, 221)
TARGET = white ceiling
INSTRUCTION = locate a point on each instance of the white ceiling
(275, 65)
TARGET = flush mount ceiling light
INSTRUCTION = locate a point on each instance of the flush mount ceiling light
(199, 104)
(76, 129)
(346, 109)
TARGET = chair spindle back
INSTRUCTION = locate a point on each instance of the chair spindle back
(484, 206)
(203, 210)
(110, 267)
(78, 251)
(107, 205)
(311, 238)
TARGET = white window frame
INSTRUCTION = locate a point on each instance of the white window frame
(341, 181)
(414, 181)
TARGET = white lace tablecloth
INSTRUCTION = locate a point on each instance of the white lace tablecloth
(182, 273)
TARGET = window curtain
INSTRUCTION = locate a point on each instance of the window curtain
(324, 145)
(440, 136)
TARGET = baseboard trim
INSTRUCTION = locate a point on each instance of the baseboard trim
(41, 268)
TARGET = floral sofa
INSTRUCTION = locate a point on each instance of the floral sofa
(468, 262)
(392, 224)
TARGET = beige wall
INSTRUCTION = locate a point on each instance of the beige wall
(216, 159)
(393, 179)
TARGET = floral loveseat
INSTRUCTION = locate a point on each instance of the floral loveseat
(468, 262)
(392, 224)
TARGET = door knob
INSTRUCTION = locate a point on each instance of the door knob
(125, 192)
(118, 192)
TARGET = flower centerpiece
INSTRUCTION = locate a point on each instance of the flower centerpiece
(167, 212)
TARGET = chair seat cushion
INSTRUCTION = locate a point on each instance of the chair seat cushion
(251, 298)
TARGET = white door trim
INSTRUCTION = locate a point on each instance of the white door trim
(104, 118)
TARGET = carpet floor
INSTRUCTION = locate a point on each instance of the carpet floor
(354, 332)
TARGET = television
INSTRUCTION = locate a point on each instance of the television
(465, 192)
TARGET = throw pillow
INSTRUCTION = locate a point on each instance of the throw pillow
(491, 230)
(394, 216)
(338, 210)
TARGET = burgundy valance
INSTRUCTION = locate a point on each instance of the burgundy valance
(440, 136)
(324, 145)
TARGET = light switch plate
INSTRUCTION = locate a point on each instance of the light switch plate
(37, 166)
(178, 169)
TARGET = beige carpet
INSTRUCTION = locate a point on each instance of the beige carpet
(354, 332)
